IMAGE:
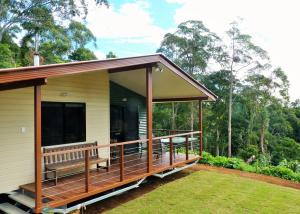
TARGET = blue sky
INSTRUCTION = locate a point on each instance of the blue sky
(136, 27)
(161, 14)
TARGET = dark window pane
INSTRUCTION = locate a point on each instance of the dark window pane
(63, 123)
(74, 122)
(52, 124)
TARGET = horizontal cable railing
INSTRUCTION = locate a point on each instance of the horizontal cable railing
(125, 160)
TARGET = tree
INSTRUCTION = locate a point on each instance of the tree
(59, 44)
(6, 56)
(14, 13)
(192, 46)
(215, 113)
(111, 55)
(242, 55)
(82, 54)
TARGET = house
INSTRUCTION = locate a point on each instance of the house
(79, 132)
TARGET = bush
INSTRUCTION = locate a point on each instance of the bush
(248, 151)
(293, 165)
(263, 160)
(286, 170)
(281, 172)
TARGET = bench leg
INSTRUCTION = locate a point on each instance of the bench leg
(107, 165)
(56, 178)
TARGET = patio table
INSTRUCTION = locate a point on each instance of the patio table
(177, 141)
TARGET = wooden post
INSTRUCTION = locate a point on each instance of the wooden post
(121, 162)
(187, 147)
(38, 148)
(87, 170)
(149, 116)
(171, 151)
(200, 129)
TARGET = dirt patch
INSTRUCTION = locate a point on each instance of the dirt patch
(153, 183)
(265, 178)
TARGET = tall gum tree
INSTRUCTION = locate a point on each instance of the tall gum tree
(243, 56)
(192, 46)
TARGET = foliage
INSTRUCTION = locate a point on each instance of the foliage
(82, 54)
(284, 148)
(53, 28)
(285, 170)
(293, 165)
(263, 120)
(191, 46)
(6, 56)
(248, 151)
(111, 55)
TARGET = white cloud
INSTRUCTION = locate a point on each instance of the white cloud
(274, 25)
(99, 54)
(131, 22)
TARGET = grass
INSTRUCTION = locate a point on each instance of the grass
(212, 192)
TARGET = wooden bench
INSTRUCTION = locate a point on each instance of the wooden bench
(71, 160)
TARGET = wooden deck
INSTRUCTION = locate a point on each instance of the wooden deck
(73, 188)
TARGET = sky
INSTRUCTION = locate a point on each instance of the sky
(136, 27)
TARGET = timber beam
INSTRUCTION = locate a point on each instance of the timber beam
(22, 84)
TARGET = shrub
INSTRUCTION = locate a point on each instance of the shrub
(263, 160)
(293, 165)
(286, 170)
(248, 151)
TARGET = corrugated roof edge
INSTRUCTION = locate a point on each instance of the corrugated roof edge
(72, 63)
(11, 70)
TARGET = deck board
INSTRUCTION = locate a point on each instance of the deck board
(72, 188)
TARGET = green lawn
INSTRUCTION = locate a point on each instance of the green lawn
(212, 192)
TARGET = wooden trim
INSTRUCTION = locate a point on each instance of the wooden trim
(200, 129)
(38, 148)
(130, 68)
(121, 163)
(179, 99)
(22, 84)
(149, 98)
(176, 135)
(87, 171)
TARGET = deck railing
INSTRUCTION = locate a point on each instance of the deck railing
(127, 163)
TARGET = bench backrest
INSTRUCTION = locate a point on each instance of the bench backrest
(69, 156)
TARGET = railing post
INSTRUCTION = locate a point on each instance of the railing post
(186, 147)
(87, 171)
(149, 117)
(171, 151)
(37, 148)
(121, 162)
(200, 129)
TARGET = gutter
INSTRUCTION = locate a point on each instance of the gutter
(84, 204)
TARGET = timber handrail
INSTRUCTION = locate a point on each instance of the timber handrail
(176, 135)
(117, 144)
(172, 130)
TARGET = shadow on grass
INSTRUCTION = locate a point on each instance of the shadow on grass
(151, 184)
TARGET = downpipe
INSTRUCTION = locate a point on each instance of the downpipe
(92, 201)
(162, 175)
